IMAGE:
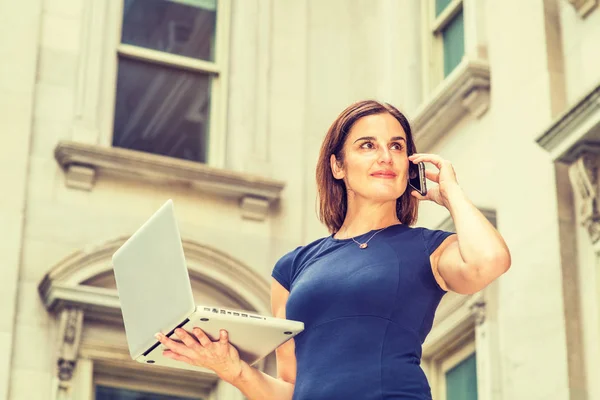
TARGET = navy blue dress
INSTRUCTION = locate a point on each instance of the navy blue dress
(366, 314)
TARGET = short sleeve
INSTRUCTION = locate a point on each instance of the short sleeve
(284, 269)
(433, 238)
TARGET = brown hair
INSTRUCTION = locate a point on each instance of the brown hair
(333, 201)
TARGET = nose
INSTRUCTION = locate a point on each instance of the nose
(385, 157)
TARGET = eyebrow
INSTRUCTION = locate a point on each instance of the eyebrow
(395, 138)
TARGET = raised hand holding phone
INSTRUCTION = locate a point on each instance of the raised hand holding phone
(445, 178)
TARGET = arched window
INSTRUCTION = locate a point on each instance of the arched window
(93, 355)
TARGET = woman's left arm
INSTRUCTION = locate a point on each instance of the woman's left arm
(477, 255)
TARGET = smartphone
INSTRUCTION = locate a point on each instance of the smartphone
(416, 177)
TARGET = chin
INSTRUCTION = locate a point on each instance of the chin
(385, 195)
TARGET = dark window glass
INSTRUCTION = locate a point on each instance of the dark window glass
(162, 110)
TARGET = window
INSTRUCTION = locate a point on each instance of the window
(454, 373)
(170, 78)
(461, 379)
(114, 393)
(455, 79)
(449, 33)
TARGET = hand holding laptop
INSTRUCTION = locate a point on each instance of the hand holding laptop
(199, 350)
(156, 296)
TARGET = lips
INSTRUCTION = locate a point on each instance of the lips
(384, 174)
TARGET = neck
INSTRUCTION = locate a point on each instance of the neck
(365, 217)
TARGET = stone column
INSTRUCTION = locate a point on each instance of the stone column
(71, 326)
(483, 306)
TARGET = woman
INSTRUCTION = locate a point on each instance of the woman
(367, 294)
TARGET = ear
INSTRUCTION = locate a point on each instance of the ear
(336, 168)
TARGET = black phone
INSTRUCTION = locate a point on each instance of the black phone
(416, 177)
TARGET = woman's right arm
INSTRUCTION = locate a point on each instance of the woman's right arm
(255, 384)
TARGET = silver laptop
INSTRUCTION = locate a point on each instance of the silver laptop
(156, 296)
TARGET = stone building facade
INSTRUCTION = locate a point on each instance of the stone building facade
(111, 107)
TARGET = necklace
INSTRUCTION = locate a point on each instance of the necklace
(366, 244)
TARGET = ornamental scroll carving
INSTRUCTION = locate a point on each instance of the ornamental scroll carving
(478, 311)
(583, 174)
(71, 325)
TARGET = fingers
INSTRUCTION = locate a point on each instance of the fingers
(224, 337)
(432, 158)
(417, 195)
(178, 357)
(170, 344)
(432, 176)
(187, 339)
(201, 336)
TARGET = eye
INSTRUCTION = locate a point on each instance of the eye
(367, 145)
(396, 146)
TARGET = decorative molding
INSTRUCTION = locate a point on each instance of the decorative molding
(466, 91)
(66, 284)
(84, 162)
(80, 177)
(254, 208)
(583, 174)
(579, 124)
(112, 362)
(448, 224)
(71, 326)
(98, 303)
(478, 310)
(584, 7)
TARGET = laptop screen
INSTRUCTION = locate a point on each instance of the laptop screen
(152, 280)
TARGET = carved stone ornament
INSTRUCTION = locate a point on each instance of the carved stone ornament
(71, 324)
(477, 308)
(583, 174)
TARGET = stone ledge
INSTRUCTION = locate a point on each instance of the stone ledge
(85, 163)
(465, 91)
(97, 303)
(574, 130)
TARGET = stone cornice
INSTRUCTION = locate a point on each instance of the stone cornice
(578, 125)
(465, 91)
(84, 163)
(97, 303)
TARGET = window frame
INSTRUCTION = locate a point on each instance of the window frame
(465, 91)
(150, 386)
(434, 43)
(218, 71)
(459, 354)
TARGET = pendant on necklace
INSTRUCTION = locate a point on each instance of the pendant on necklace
(363, 246)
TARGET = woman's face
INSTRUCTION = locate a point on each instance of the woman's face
(376, 162)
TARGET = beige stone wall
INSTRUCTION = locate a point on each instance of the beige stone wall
(294, 65)
(17, 88)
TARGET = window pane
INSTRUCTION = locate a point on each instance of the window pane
(440, 5)
(461, 381)
(183, 27)
(110, 393)
(162, 110)
(454, 43)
